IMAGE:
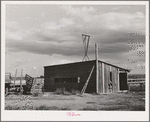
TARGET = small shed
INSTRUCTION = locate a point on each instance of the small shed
(105, 78)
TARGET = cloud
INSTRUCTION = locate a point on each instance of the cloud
(56, 38)
(34, 68)
(84, 12)
(65, 38)
(12, 26)
(110, 20)
(113, 31)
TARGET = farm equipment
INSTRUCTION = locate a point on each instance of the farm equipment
(33, 85)
(23, 85)
(29, 82)
(7, 83)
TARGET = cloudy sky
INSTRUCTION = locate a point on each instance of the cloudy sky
(41, 35)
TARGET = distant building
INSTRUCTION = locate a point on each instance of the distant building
(70, 76)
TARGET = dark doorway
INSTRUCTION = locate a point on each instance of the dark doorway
(123, 81)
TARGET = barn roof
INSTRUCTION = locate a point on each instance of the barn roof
(120, 68)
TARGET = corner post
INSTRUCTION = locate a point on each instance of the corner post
(96, 58)
(118, 80)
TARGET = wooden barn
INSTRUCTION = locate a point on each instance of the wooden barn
(102, 77)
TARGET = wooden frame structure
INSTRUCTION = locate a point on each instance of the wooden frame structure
(98, 82)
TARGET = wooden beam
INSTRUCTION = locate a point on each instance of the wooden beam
(97, 73)
(103, 77)
(86, 83)
(118, 79)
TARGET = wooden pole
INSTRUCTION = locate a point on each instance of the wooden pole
(15, 78)
(118, 81)
(103, 77)
(96, 58)
(84, 88)
(43, 86)
(21, 82)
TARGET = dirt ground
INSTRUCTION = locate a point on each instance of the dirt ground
(126, 101)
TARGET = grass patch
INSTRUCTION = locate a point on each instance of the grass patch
(137, 108)
(62, 91)
(113, 108)
(35, 94)
(89, 108)
(12, 108)
(42, 107)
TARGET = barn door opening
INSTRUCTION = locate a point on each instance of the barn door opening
(123, 81)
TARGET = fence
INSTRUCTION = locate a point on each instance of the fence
(136, 85)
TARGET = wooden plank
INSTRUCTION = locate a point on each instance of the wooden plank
(96, 58)
(103, 77)
(116, 71)
(118, 80)
(84, 88)
(107, 78)
(113, 79)
(100, 78)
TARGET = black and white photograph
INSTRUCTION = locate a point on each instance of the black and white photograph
(75, 60)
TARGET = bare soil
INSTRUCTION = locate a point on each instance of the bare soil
(126, 101)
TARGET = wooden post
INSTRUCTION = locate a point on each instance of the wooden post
(118, 80)
(127, 81)
(43, 86)
(103, 77)
(15, 78)
(21, 82)
(97, 73)
(86, 83)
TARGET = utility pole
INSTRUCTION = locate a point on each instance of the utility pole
(15, 78)
(97, 73)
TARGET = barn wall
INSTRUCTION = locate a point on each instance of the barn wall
(81, 69)
(115, 79)
(107, 77)
(115, 82)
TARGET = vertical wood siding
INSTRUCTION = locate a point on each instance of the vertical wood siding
(107, 77)
(115, 79)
